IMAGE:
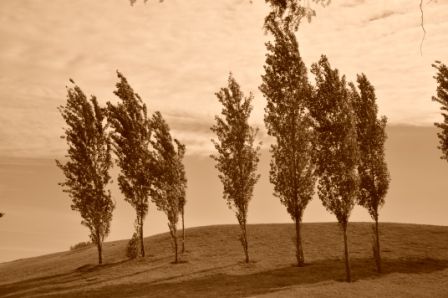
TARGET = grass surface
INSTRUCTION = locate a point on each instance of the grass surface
(415, 263)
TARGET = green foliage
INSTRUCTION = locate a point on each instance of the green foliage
(371, 136)
(81, 245)
(88, 162)
(132, 247)
(337, 147)
(131, 142)
(442, 98)
(237, 156)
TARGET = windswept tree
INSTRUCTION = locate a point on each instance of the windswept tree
(372, 168)
(288, 94)
(442, 98)
(237, 156)
(131, 142)
(88, 162)
(337, 147)
(169, 188)
(182, 186)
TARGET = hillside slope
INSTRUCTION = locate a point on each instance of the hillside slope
(415, 261)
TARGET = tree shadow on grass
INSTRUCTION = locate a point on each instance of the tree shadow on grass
(228, 285)
(56, 281)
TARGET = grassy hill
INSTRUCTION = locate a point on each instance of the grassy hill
(415, 263)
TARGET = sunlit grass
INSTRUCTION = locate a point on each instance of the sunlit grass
(415, 263)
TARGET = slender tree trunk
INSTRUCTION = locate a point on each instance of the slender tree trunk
(299, 248)
(183, 231)
(176, 260)
(173, 232)
(244, 241)
(142, 247)
(378, 251)
(99, 246)
(346, 255)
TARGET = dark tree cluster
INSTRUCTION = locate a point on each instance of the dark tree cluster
(151, 168)
(327, 136)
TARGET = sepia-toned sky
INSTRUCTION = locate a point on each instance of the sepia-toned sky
(176, 54)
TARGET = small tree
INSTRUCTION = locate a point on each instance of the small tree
(337, 147)
(170, 184)
(1, 214)
(89, 160)
(288, 94)
(442, 98)
(131, 142)
(372, 168)
(236, 157)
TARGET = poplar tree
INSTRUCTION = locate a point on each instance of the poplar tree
(131, 142)
(372, 167)
(237, 157)
(182, 186)
(337, 147)
(88, 162)
(442, 98)
(169, 188)
(288, 94)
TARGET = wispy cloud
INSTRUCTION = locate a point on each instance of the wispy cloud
(177, 54)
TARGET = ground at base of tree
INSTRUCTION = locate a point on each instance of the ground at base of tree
(415, 263)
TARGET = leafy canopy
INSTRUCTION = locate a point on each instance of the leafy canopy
(88, 162)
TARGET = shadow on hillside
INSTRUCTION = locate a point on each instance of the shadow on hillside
(56, 282)
(222, 284)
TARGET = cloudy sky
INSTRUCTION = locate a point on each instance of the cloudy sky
(176, 54)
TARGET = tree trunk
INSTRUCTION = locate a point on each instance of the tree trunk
(347, 260)
(99, 246)
(176, 260)
(299, 249)
(183, 231)
(378, 251)
(173, 233)
(142, 247)
(244, 241)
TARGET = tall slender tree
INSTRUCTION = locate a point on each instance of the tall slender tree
(182, 186)
(88, 162)
(131, 142)
(337, 146)
(169, 189)
(288, 94)
(237, 156)
(372, 168)
(442, 98)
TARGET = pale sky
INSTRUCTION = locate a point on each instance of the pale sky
(176, 54)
